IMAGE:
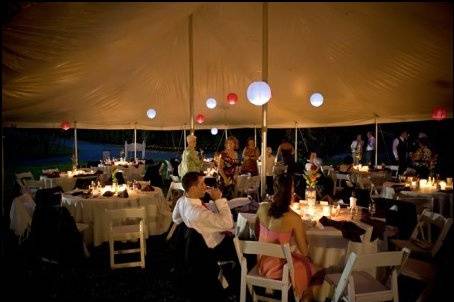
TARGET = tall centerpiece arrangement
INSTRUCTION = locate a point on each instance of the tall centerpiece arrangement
(311, 176)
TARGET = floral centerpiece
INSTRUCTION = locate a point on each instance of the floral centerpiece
(311, 176)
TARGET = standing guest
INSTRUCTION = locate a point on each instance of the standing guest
(228, 167)
(191, 161)
(370, 148)
(357, 149)
(400, 150)
(285, 155)
(250, 157)
(270, 158)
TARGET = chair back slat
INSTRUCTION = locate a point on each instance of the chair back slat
(126, 213)
(379, 259)
(262, 248)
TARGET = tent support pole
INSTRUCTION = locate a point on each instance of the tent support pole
(264, 107)
(225, 133)
(135, 142)
(296, 142)
(191, 74)
(184, 138)
(376, 141)
(255, 136)
(3, 178)
(76, 155)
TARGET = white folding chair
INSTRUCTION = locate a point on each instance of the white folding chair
(338, 178)
(253, 278)
(421, 241)
(394, 171)
(123, 226)
(364, 287)
(139, 148)
(344, 278)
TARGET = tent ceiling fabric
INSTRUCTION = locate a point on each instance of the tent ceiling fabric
(105, 64)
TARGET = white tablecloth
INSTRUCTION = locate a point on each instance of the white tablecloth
(92, 211)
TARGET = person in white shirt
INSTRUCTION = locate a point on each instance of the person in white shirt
(190, 210)
(357, 149)
(370, 148)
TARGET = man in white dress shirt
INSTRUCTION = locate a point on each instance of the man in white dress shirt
(212, 226)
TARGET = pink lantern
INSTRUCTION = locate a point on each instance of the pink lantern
(439, 113)
(200, 118)
(232, 98)
(65, 125)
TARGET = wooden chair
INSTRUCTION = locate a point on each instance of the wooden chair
(253, 278)
(420, 242)
(361, 286)
(123, 232)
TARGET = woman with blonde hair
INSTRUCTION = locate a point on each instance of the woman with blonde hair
(190, 160)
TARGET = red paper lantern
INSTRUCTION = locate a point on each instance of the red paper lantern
(439, 113)
(65, 125)
(200, 118)
(232, 98)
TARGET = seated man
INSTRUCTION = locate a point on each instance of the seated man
(190, 210)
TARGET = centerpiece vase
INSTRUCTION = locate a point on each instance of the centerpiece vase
(310, 196)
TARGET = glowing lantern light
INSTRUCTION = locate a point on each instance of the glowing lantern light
(232, 98)
(211, 103)
(316, 99)
(65, 125)
(214, 131)
(151, 113)
(439, 113)
(258, 93)
(200, 118)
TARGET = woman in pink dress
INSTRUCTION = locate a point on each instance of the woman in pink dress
(279, 224)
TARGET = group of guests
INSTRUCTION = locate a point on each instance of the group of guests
(275, 223)
(229, 165)
(417, 158)
(360, 155)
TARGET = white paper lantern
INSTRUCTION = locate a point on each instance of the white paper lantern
(211, 103)
(151, 113)
(214, 131)
(258, 93)
(316, 99)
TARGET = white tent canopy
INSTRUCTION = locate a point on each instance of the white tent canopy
(105, 64)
